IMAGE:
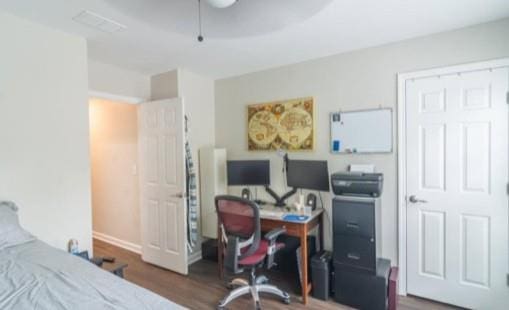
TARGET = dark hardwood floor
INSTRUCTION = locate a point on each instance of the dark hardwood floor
(202, 288)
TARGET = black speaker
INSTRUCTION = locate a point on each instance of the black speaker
(209, 250)
(246, 193)
(311, 201)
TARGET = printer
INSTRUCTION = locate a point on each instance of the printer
(357, 183)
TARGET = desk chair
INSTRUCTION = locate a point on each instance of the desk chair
(239, 221)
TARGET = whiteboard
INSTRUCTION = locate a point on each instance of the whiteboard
(366, 131)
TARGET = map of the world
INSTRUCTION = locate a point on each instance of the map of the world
(281, 125)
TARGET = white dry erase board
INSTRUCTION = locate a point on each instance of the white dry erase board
(366, 131)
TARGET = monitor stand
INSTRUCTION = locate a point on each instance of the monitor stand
(280, 201)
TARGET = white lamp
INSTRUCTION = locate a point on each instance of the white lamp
(221, 4)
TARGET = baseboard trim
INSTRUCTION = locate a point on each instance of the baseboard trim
(194, 257)
(133, 247)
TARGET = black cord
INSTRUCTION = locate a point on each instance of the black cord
(328, 217)
(200, 36)
(285, 175)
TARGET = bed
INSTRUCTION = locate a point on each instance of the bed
(34, 275)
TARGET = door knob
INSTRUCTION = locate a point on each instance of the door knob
(179, 195)
(414, 199)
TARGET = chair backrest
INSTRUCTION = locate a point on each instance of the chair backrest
(240, 220)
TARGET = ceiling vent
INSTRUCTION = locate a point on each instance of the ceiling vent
(96, 21)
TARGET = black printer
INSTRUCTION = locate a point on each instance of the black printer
(357, 183)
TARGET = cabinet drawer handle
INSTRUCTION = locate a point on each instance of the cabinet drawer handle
(352, 225)
(354, 256)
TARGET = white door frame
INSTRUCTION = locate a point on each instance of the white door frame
(114, 97)
(402, 214)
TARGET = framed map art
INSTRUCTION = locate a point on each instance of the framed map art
(287, 124)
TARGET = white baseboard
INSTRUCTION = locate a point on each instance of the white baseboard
(133, 247)
(194, 257)
(136, 248)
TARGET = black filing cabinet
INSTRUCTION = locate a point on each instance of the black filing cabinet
(356, 226)
(360, 274)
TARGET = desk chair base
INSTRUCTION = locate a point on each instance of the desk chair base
(255, 286)
(254, 290)
(237, 282)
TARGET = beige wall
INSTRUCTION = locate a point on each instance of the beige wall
(357, 80)
(164, 85)
(113, 80)
(44, 157)
(114, 156)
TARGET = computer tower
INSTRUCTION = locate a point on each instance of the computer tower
(362, 290)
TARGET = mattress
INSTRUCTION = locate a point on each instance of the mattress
(35, 275)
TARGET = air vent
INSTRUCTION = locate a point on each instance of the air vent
(98, 22)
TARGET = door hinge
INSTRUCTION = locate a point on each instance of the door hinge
(507, 279)
(507, 97)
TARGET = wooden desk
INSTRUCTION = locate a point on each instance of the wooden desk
(295, 229)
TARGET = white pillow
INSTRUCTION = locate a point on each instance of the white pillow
(11, 233)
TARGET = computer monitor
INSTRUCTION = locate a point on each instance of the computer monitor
(248, 172)
(308, 174)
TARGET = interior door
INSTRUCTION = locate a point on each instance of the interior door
(162, 184)
(457, 176)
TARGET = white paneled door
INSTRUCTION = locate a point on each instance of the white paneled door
(457, 175)
(162, 184)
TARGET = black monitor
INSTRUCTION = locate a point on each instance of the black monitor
(308, 174)
(248, 172)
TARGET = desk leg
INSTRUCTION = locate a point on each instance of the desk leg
(304, 264)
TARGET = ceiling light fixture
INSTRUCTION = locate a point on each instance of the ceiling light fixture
(221, 4)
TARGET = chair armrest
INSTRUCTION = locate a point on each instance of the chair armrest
(271, 237)
(273, 234)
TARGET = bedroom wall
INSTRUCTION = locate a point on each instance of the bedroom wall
(164, 85)
(117, 81)
(44, 157)
(357, 80)
(114, 159)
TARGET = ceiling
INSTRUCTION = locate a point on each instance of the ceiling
(245, 18)
(252, 35)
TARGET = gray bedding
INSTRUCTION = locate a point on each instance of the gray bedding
(34, 275)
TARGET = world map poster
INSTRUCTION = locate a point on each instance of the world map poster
(287, 124)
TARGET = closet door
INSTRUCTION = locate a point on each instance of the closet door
(457, 173)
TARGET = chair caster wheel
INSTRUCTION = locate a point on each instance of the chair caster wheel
(286, 301)
(258, 306)
(262, 280)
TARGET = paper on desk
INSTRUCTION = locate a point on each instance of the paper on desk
(362, 168)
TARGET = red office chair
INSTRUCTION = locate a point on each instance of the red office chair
(239, 220)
